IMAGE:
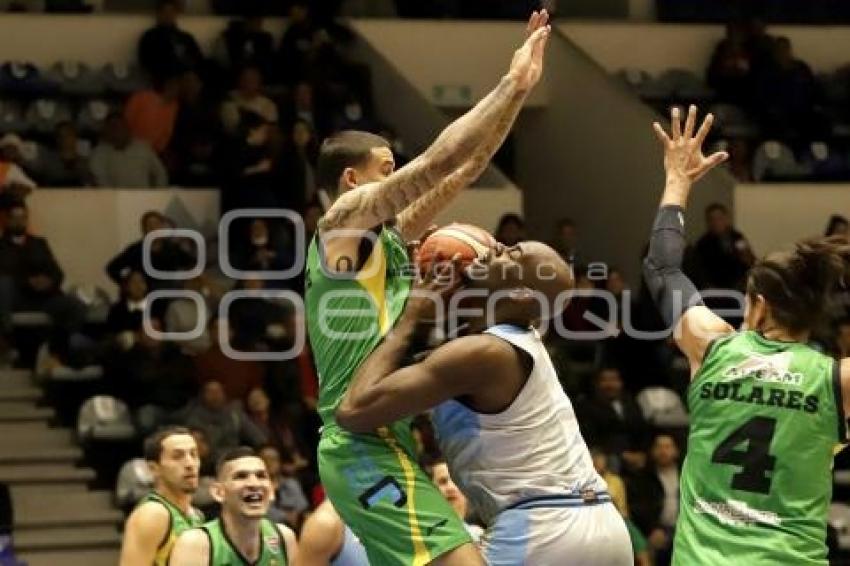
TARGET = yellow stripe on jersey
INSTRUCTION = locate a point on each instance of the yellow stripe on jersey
(421, 555)
(373, 278)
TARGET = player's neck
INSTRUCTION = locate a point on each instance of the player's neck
(179, 499)
(244, 534)
(779, 334)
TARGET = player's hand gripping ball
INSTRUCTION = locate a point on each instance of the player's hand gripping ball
(462, 241)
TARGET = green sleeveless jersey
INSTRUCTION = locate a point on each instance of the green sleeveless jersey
(349, 314)
(178, 522)
(223, 553)
(756, 484)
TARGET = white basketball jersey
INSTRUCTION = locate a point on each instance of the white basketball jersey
(533, 448)
(352, 552)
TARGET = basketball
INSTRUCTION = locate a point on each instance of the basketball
(469, 241)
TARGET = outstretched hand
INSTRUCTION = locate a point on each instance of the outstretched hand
(527, 64)
(684, 160)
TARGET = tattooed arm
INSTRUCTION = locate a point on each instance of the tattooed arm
(460, 152)
(416, 218)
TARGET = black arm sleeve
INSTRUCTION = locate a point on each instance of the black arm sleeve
(670, 288)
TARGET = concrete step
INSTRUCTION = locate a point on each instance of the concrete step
(20, 393)
(37, 511)
(15, 378)
(52, 491)
(15, 435)
(17, 411)
(100, 557)
(41, 455)
(65, 538)
(29, 474)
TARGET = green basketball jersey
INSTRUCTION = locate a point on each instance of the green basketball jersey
(223, 553)
(178, 522)
(348, 314)
(756, 484)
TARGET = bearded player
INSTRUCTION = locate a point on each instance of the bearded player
(160, 517)
(356, 287)
(241, 535)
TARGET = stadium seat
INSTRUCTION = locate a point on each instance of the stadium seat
(678, 84)
(94, 298)
(732, 122)
(24, 79)
(635, 79)
(77, 79)
(44, 114)
(839, 519)
(122, 79)
(662, 407)
(824, 162)
(774, 161)
(12, 119)
(92, 115)
(105, 418)
(134, 482)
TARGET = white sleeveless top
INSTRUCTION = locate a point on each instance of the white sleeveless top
(533, 448)
(352, 552)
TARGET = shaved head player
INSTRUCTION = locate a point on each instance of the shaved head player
(356, 286)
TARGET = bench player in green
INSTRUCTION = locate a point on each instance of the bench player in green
(241, 535)
(356, 286)
(159, 518)
(767, 411)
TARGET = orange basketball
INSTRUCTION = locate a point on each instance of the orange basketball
(469, 241)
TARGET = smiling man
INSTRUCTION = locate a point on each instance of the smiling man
(242, 535)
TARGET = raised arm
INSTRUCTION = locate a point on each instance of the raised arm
(676, 296)
(418, 217)
(471, 139)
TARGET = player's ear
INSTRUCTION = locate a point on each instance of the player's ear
(217, 491)
(348, 179)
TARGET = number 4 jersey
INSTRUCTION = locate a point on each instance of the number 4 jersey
(757, 481)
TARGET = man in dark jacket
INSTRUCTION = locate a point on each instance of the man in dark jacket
(30, 277)
(165, 50)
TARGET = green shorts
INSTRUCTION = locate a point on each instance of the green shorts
(379, 490)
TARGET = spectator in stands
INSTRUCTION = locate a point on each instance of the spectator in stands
(260, 251)
(740, 160)
(353, 116)
(197, 136)
(225, 424)
(786, 94)
(566, 240)
(654, 497)
(730, 72)
(166, 254)
(245, 43)
(253, 181)
(312, 214)
(165, 50)
(249, 97)
(151, 114)
(511, 229)
(152, 376)
(290, 502)
(30, 276)
(276, 427)
(724, 255)
(185, 315)
(236, 377)
(611, 420)
(126, 314)
(120, 161)
(256, 320)
(299, 165)
(15, 184)
(303, 106)
(837, 226)
(66, 167)
(296, 45)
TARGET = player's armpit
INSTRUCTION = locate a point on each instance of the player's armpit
(322, 537)
(696, 330)
(191, 549)
(144, 532)
(452, 370)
